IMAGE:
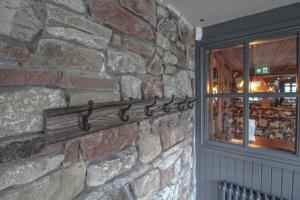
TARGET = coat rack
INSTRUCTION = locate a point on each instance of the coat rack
(67, 123)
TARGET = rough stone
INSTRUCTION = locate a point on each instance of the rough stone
(181, 82)
(11, 52)
(71, 151)
(60, 185)
(111, 13)
(151, 88)
(11, 76)
(105, 170)
(116, 40)
(180, 54)
(60, 15)
(164, 43)
(21, 111)
(125, 62)
(77, 5)
(104, 142)
(168, 86)
(139, 47)
(146, 185)
(186, 32)
(130, 87)
(148, 143)
(170, 58)
(111, 194)
(67, 55)
(24, 172)
(145, 9)
(80, 97)
(162, 12)
(86, 39)
(168, 28)
(155, 67)
(167, 175)
(20, 19)
(81, 82)
(169, 69)
(52, 78)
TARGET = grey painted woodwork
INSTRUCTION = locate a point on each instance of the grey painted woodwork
(258, 175)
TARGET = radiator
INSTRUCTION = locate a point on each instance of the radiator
(230, 191)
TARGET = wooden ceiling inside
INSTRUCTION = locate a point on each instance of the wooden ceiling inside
(276, 53)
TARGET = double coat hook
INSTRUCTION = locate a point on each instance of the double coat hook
(165, 105)
(147, 110)
(83, 120)
(180, 105)
(123, 112)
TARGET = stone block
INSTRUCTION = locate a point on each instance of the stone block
(170, 69)
(21, 110)
(162, 12)
(20, 19)
(105, 142)
(130, 87)
(151, 88)
(170, 58)
(12, 52)
(155, 67)
(139, 47)
(63, 54)
(147, 185)
(148, 143)
(85, 83)
(145, 9)
(83, 38)
(125, 62)
(63, 16)
(80, 97)
(164, 43)
(71, 151)
(168, 28)
(60, 185)
(116, 40)
(22, 172)
(76, 5)
(31, 77)
(179, 85)
(109, 12)
(110, 167)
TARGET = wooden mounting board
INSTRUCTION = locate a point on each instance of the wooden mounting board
(62, 123)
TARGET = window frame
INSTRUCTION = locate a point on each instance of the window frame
(202, 60)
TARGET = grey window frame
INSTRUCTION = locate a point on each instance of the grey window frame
(202, 108)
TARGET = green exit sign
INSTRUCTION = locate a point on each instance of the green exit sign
(262, 70)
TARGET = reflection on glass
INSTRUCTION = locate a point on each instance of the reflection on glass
(273, 65)
(272, 123)
(225, 72)
(225, 119)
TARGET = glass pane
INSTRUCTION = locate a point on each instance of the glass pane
(272, 123)
(225, 119)
(225, 72)
(273, 64)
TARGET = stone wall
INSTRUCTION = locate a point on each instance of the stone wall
(55, 53)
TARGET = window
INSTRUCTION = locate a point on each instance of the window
(254, 103)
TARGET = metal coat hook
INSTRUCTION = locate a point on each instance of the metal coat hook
(147, 110)
(180, 105)
(165, 105)
(83, 120)
(190, 104)
(123, 112)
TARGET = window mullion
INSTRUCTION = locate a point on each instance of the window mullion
(246, 95)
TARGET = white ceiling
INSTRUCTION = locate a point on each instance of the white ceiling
(217, 11)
